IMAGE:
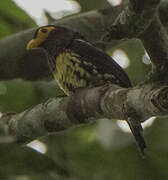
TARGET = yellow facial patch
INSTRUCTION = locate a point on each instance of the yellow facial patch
(41, 36)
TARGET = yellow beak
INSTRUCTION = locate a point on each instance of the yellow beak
(32, 44)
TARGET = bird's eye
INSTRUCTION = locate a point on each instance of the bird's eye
(44, 30)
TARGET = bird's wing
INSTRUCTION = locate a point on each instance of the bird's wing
(106, 65)
(103, 62)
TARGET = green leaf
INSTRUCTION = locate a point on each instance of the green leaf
(13, 18)
(137, 69)
(16, 95)
(82, 152)
(19, 162)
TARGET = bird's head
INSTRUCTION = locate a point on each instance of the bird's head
(52, 38)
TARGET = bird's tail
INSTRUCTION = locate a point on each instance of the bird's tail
(137, 132)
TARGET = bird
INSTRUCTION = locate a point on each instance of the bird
(76, 63)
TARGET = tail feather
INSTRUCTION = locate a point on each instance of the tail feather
(137, 132)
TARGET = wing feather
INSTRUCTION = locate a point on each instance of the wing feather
(103, 62)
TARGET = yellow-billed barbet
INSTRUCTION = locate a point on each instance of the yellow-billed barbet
(75, 63)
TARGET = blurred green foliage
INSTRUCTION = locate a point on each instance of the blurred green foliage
(13, 18)
(16, 95)
(137, 69)
(82, 152)
(79, 150)
(13, 99)
(26, 164)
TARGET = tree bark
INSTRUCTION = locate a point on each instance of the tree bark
(87, 106)
(143, 101)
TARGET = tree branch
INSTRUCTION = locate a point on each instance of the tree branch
(133, 20)
(33, 65)
(86, 106)
(140, 20)
(92, 25)
(145, 100)
(155, 41)
(163, 13)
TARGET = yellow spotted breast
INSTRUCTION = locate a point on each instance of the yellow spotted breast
(68, 73)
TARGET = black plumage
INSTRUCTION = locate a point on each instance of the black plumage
(75, 63)
(102, 61)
